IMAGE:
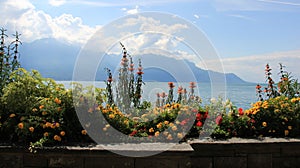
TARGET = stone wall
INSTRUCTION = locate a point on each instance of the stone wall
(198, 154)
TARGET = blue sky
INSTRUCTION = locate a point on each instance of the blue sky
(246, 33)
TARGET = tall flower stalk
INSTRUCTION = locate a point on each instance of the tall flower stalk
(8, 62)
(128, 88)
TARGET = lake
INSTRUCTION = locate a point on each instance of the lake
(242, 95)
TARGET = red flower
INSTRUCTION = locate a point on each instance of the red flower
(192, 85)
(206, 115)
(219, 120)
(133, 133)
(180, 89)
(241, 112)
(183, 122)
(258, 86)
(198, 116)
(195, 110)
(140, 72)
(199, 124)
(171, 84)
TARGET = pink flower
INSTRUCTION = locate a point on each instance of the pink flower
(219, 120)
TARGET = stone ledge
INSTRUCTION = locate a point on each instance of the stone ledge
(241, 153)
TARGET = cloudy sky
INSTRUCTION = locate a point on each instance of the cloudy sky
(247, 34)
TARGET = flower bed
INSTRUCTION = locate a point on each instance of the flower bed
(36, 111)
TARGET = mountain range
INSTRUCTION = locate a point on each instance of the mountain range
(55, 59)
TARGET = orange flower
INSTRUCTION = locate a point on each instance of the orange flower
(21, 125)
(62, 133)
(83, 132)
(44, 113)
(57, 125)
(264, 124)
(57, 101)
(151, 130)
(48, 124)
(57, 138)
(46, 134)
(41, 106)
(156, 134)
(12, 115)
(31, 129)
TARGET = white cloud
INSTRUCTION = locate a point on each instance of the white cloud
(56, 2)
(241, 17)
(134, 10)
(36, 24)
(254, 5)
(280, 2)
(196, 16)
(251, 68)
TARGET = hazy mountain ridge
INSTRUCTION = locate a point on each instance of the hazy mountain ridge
(56, 60)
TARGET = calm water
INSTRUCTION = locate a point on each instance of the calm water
(242, 95)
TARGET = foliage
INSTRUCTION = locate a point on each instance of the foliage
(38, 111)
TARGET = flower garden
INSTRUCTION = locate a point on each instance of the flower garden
(37, 111)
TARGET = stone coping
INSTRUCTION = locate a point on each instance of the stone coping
(262, 140)
(157, 147)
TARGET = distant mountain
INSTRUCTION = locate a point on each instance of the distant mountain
(56, 60)
(50, 57)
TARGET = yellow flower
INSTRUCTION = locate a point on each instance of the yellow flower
(107, 125)
(126, 122)
(34, 110)
(83, 132)
(166, 122)
(286, 132)
(46, 134)
(171, 124)
(174, 128)
(111, 116)
(21, 125)
(151, 130)
(290, 127)
(12, 115)
(293, 100)
(159, 125)
(156, 133)
(31, 129)
(57, 101)
(169, 137)
(62, 133)
(179, 135)
(265, 105)
(264, 124)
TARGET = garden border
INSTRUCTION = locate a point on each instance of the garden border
(270, 152)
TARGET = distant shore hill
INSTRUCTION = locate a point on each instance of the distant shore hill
(54, 59)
